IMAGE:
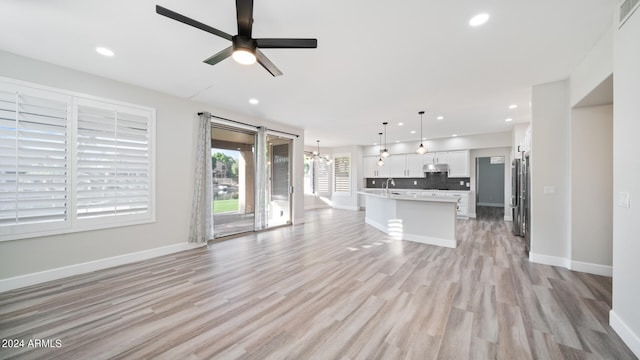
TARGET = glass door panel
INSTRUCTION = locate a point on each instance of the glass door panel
(233, 165)
(279, 181)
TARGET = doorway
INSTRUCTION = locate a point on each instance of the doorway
(233, 167)
(490, 186)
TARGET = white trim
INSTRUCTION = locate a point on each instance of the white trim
(508, 218)
(415, 238)
(472, 215)
(345, 207)
(549, 260)
(626, 334)
(76, 269)
(591, 268)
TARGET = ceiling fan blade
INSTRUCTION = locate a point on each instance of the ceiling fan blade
(244, 12)
(220, 56)
(267, 64)
(287, 43)
(196, 24)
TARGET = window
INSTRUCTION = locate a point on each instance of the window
(322, 178)
(69, 163)
(308, 174)
(342, 174)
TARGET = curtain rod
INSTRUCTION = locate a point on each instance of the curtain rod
(245, 124)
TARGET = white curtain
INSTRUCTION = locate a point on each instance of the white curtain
(201, 229)
(261, 180)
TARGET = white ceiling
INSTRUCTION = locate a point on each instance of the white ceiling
(376, 60)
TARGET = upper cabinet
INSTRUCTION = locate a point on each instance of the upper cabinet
(414, 166)
(411, 165)
(436, 158)
(459, 163)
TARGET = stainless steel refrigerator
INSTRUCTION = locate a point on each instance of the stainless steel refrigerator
(516, 201)
(520, 195)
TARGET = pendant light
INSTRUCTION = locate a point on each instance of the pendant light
(385, 152)
(316, 154)
(421, 149)
(380, 162)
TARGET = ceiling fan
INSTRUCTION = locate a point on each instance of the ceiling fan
(244, 49)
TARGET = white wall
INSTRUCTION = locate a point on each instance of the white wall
(592, 188)
(549, 167)
(593, 69)
(625, 315)
(481, 141)
(176, 119)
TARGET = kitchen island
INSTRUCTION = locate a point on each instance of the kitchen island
(413, 216)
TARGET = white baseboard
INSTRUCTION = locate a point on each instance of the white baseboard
(344, 207)
(591, 268)
(549, 260)
(626, 334)
(508, 218)
(76, 269)
(472, 215)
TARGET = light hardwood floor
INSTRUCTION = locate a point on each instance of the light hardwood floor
(333, 288)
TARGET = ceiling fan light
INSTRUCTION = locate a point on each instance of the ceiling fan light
(244, 57)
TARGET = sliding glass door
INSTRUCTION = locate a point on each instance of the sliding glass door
(233, 165)
(278, 211)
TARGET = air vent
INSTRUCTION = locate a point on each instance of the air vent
(626, 10)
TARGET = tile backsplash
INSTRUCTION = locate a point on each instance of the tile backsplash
(433, 181)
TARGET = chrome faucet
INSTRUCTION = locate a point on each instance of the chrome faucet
(387, 184)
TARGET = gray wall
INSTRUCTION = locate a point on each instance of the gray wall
(175, 130)
(592, 185)
(490, 180)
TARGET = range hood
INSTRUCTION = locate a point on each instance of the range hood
(435, 168)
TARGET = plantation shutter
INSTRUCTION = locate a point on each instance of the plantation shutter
(34, 161)
(322, 180)
(113, 161)
(342, 174)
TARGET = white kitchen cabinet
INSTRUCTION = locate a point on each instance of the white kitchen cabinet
(396, 165)
(414, 165)
(459, 163)
(436, 158)
(372, 170)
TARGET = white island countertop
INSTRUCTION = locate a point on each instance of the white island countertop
(407, 195)
(414, 216)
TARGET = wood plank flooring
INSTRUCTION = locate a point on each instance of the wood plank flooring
(333, 288)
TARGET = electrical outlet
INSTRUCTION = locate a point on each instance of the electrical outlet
(373, 182)
(548, 190)
(415, 182)
(468, 185)
(461, 182)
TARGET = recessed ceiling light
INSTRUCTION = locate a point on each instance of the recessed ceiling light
(400, 124)
(397, 141)
(424, 138)
(104, 51)
(479, 19)
(413, 131)
(508, 120)
(513, 106)
(454, 135)
(440, 117)
(253, 101)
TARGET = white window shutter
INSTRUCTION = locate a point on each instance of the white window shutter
(34, 161)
